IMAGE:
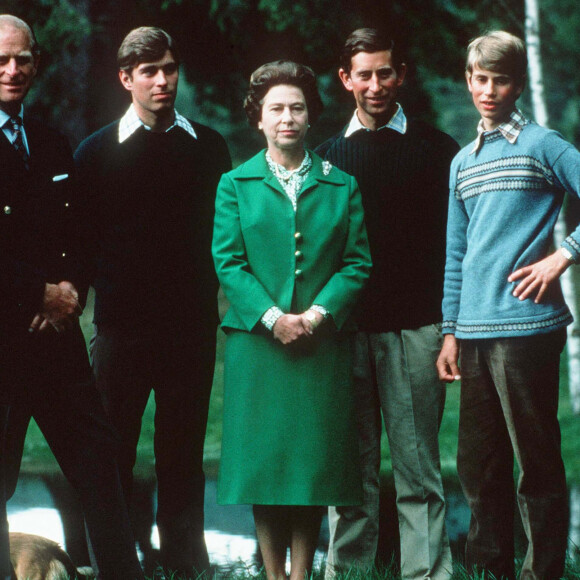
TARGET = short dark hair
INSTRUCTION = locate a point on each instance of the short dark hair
(282, 72)
(15, 22)
(145, 44)
(369, 40)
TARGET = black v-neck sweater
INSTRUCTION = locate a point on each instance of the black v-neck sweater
(150, 207)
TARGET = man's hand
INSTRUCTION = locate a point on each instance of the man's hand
(291, 327)
(60, 307)
(536, 278)
(447, 361)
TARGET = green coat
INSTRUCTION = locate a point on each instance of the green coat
(289, 435)
(267, 255)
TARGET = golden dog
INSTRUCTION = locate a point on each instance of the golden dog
(37, 558)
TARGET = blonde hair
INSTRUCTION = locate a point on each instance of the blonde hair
(498, 51)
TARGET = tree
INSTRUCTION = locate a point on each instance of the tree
(536, 82)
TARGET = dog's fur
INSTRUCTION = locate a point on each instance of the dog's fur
(37, 558)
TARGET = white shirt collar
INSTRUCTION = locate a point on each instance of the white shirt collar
(130, 122)
(398, 122)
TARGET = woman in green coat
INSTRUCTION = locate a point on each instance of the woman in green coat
(292, 256)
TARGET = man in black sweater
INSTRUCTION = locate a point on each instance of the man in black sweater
(150, 181)
(402, 168)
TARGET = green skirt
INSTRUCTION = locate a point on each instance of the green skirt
(289, 435)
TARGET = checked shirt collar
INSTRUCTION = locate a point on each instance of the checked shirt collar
(511, 129)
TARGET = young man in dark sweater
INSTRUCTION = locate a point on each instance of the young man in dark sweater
(150, 182)
(402, 168)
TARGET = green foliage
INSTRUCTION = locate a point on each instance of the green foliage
(61, 28)
(223, 41)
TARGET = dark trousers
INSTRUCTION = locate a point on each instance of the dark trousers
(509, 405)
(178, 367)
(48, 377)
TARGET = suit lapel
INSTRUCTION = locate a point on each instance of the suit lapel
(271, 180)
(35, 141)
(321, 172)
(257, 168)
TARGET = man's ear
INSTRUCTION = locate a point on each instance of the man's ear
(345, 78)
(126, 79)
(521, 86)
(36, 63)
(401, 74)
(468, 79)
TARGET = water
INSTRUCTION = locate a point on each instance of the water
(45, 506)
(229, 535)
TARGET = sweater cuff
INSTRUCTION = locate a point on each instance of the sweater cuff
(448, 326)
(573, 247)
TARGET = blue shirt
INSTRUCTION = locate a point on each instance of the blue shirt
(7, 128)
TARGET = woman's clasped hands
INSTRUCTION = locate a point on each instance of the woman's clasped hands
(292, 327)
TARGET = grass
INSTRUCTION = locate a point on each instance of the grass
(571, 572)
(38, 457)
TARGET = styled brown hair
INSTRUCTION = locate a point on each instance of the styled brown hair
(281, 72)
(145, 44)
(369, 40)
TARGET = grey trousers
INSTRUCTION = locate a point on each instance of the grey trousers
(395, 373)
(509, 405)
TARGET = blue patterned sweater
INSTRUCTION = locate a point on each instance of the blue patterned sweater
(503, 205)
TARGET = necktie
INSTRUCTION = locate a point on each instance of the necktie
(18, 142)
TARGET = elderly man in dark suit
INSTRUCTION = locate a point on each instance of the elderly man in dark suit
(44, 367)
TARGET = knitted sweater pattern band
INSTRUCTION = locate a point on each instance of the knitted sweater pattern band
(503, 205)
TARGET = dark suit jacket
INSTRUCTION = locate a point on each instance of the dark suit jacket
(38, 241)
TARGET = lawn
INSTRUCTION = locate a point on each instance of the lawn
(38, 457)
(572, 572)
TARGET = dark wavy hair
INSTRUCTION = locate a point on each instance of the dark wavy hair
(145, 44)
(369, 40)
(281, 72)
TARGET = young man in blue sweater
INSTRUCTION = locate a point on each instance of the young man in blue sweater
(503, 311)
